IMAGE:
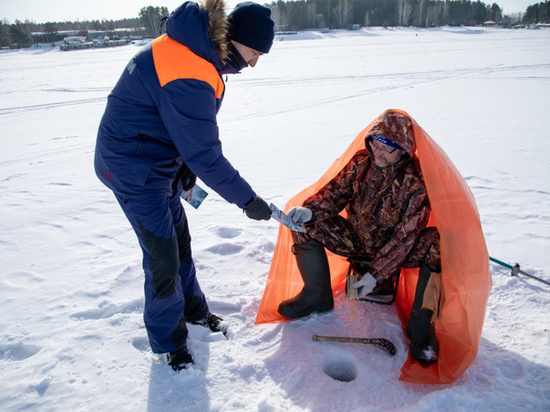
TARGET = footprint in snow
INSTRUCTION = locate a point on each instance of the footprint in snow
(141, 344)
(107, 310)
(229, 232)
(225, 249)
(41, 387)
(18, 351)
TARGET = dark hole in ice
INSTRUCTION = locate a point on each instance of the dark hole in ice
(340, 369)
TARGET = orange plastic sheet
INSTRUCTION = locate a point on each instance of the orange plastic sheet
(465, 263)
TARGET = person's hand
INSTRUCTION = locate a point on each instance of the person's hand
(188, 181)
(300, 215)
(365, 285)
(258, 210)
(187, 178)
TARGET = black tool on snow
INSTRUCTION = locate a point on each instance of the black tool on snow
(382, 343)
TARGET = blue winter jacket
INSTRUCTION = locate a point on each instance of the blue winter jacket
(163, 111)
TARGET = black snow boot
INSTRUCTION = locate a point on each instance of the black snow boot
(316, 295)
(213, 322)
(180, 359)
(420, 329)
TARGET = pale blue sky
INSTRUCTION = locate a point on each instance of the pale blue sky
(42, 11)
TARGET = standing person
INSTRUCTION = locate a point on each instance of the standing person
(387, 206)
(158, 133)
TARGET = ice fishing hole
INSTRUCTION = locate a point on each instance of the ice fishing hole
(340, 368)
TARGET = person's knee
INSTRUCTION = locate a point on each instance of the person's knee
(184, 242)
(299, 238)
(433, 257)
(164, 262)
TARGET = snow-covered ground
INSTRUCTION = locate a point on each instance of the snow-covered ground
(71, 330)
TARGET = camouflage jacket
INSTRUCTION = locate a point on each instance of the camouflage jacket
(387, 207)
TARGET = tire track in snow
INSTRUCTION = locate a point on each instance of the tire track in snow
(46, 106)
(428, 75)
(360, 93)
(43, 152)
(442, 75)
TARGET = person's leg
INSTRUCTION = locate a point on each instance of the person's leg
(337, 235)
(196, 309)
(420, 328)
(421, 325)
(152, 221)
(425, 250)
(195, 302)
(312, 262)
(316, 295)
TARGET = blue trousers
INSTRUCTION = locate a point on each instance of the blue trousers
(172, 292)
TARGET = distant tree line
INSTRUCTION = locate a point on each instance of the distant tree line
(337, 14)
(24, 34)
(297, 15)
(537, 13)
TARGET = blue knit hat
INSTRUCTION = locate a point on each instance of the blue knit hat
(251, 25)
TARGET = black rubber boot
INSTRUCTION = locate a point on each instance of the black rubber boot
(424, 347)
(316, 295)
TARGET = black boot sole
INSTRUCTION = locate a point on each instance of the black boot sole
(291, 313)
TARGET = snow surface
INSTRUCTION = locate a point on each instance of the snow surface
(71, 330)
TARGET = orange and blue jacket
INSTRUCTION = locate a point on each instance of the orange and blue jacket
(162, 112)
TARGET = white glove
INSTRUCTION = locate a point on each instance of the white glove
(300, 215)
(365, 285)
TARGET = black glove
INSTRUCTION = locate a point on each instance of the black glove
(258, 210)
(187, 178)
(188, 181)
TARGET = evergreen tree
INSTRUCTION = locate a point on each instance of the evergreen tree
(151, 18)
(18, 35)
(537, 13)
(4, 34)
(50, 31)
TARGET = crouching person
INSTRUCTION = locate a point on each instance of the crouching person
(387, 206)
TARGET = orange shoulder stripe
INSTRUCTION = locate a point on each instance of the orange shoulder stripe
(175, 61)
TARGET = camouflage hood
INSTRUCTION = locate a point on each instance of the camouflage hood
(396, 127)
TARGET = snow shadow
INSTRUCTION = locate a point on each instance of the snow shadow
(506, 380)
(183, 391)
(326, 376)
(186, 390)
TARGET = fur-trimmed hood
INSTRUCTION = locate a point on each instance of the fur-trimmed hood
(202, 28)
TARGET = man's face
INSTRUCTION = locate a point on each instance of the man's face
(249, 55)
(385, 155)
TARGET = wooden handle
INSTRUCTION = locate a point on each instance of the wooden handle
(336, 339)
